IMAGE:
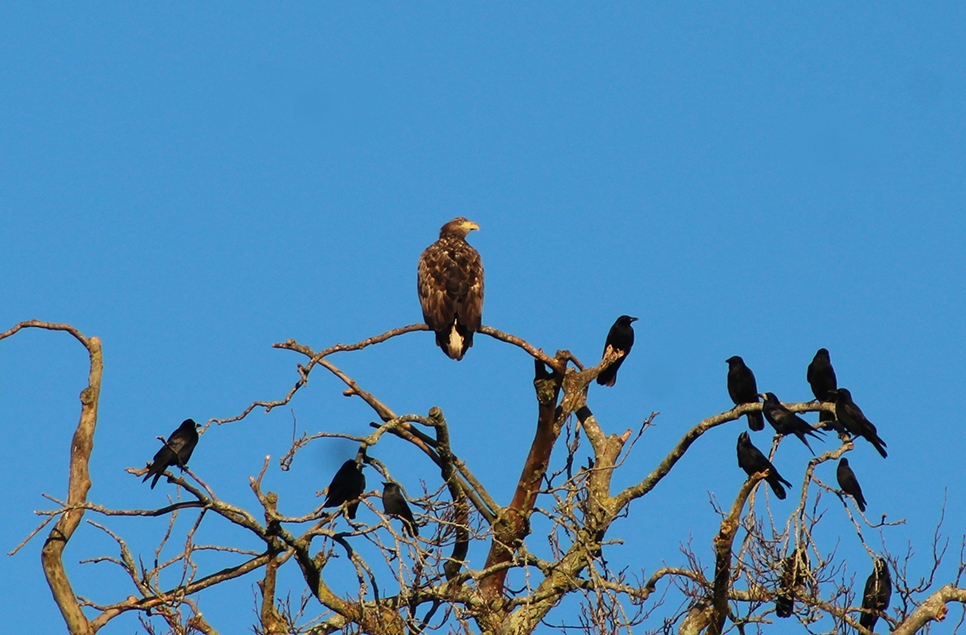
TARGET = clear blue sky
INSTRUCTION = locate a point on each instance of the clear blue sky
(193, 182)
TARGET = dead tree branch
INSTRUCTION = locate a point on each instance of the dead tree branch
(79, 481)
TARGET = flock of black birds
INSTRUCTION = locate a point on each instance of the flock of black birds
(450, 285)
(848, 420)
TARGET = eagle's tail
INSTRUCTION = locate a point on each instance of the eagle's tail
(455, 341)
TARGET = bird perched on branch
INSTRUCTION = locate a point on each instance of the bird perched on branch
(744, 389)
(794, 569)
(785, 421)
(450, 285)
(853, 419)
(878, 591)
(394, 504)
(821, 377)
(849, 484)
(621, 339)
(347, 486)
(751, 460)
(175, 452)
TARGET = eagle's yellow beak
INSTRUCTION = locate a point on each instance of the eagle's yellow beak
(470, 225)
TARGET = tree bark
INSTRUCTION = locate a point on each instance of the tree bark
(81, 447)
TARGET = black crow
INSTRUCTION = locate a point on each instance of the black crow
(751, 460)
(620, 338)
(794, 569)
(849, 484)
(851, 417)
(743, 388)
(878, 590)
(347, 486)
(175, 452)
(785, 421)
(821, 377)
(394, 504)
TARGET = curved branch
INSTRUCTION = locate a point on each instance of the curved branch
(52, 326)
(534, 352)
(79, 481)
(933, 609)
(315, 358)
(692, 435)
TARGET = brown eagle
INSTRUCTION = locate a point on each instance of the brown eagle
(450, 284)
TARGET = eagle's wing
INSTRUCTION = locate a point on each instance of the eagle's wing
(469, 309)
(439, 306)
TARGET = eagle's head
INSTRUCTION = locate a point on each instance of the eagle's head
(458, 227)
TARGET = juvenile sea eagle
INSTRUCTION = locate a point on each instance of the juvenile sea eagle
(450, 284)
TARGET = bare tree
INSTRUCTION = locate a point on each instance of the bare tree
(404, 583)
